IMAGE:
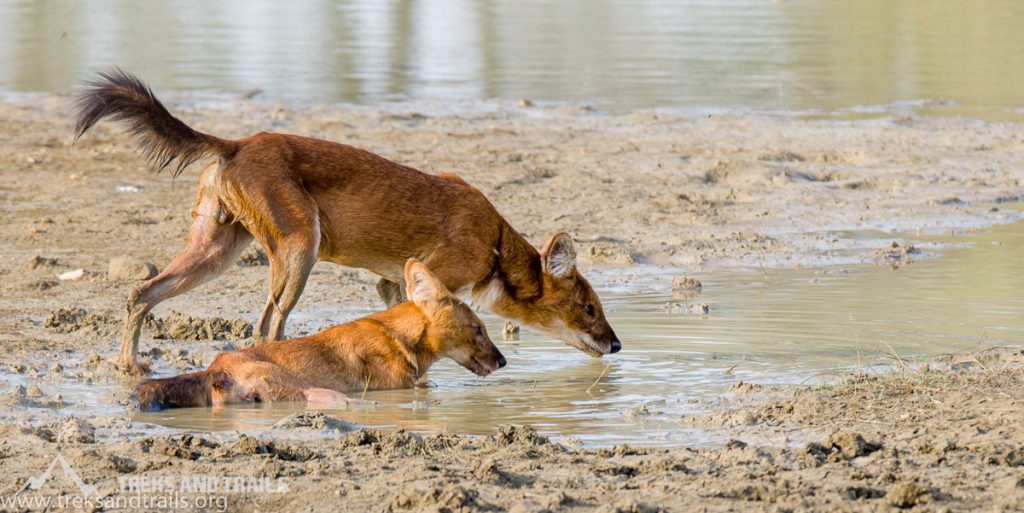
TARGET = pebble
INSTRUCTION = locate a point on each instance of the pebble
(71, 275)
(128, 268)
(510, 331)
(905, 494)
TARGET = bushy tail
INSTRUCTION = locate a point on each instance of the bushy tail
(195, 389)
(162, 137)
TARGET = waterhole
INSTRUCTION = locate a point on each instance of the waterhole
(778, 326)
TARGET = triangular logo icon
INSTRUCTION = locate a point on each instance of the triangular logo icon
(36, 483)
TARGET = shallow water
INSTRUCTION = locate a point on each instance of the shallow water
(859, 58)
(786, 326)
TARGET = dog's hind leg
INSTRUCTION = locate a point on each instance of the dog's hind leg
(256, 380)
(214, 242)
(290, 264)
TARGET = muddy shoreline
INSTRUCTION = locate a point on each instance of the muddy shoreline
(941, 437)
(637, 191)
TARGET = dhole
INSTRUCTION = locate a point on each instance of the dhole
(306, 199)
(387, 350)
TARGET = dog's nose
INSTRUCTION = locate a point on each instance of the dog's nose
(616, 345)
(502, 362)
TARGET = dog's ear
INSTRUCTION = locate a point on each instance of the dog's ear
(558, 258)
(422, 286)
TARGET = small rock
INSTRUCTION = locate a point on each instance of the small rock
(37, 261)
(906, 494)
(33, 391)
(735, 444)
(849, 444)
(698, 309)
(686, 283)
(744, 388)
(510, 331)
(76, 430)
(688, 308)
(71, 275)
(128, 268)
(524, 102)
(249, 445)
(315, 421)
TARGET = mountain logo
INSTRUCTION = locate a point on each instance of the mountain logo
(35, 483)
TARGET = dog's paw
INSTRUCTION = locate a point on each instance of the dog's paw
(132, 367)
(327, 397)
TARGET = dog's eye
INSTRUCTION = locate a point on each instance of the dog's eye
(479, 331)
(589, 309)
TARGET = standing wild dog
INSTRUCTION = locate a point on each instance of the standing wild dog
(306, 199)
(386, 350)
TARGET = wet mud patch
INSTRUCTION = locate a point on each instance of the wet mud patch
(176, 326)
(71, 320)
(313, 421)
(897, 254)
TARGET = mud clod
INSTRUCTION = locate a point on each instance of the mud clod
(70, 320)
(735, 444)
(35, 262)
(688, 308)
(897, 254)
(129, 268)
(76, 430)
(906, 495)
(178, 326)
(848, 444)
(510, 331)
(173, 448)
(253, 256)
(744, 388)
(684, 283)
(248, 445)
(450, 499)
(518, 435)
(317, 421)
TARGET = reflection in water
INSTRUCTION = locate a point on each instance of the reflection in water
(789, 326)
(690, 54)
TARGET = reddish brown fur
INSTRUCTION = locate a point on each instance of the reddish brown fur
(390, 349)
(306, 199)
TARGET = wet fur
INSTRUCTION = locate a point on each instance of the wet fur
(306, 200)
(387, 350)
(184, 391)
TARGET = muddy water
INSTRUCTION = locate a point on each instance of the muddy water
(866, 57)
(785, 326)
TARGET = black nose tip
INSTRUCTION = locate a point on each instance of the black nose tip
(616, 345)
(502, 362)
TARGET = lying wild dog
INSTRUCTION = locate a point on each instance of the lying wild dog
(386, 350)
(306, 199)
